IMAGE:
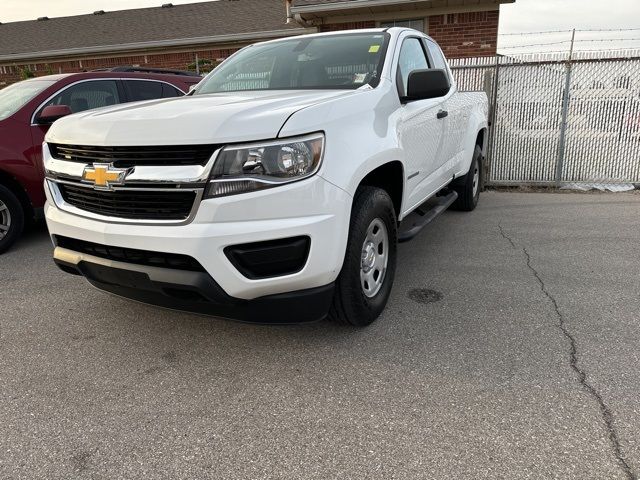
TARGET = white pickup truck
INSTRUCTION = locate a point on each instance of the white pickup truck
(277, 190)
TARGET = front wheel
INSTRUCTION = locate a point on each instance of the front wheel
(11, 218)
(364, 284)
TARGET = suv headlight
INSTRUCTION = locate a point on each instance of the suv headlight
(256, 166)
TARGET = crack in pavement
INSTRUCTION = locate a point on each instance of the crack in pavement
(607, 416)
(506, 237)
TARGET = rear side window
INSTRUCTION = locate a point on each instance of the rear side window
(169, 91)
(88, 95)
(139, 90)
(412, 57)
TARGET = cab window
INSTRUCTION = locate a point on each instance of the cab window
(412, 57)
(436, 55)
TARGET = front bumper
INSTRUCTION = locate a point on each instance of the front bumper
(312, 207)
(193, 291)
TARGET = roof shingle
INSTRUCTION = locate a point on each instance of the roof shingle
(342, 3)
(195, 20)
(300, 3)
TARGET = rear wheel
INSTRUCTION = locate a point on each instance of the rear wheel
(364, 284)
(11, 218)
(468, 187)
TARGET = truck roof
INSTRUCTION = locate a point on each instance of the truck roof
(391, 30)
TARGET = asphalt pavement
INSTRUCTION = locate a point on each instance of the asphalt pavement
(509, 349)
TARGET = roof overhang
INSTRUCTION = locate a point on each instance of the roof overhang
(161, 44)
(355, 7)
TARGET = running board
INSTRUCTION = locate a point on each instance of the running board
(421, 216)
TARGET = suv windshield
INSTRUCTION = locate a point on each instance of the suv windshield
(346, 61)
(15, 96)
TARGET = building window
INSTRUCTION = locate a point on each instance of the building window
(417, 24)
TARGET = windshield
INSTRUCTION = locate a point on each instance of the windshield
(13, 97)
(346, 61)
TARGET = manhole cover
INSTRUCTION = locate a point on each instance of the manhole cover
(424, 295)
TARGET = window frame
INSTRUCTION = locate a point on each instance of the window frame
(382, 63)
(397, 63)
(121, 91)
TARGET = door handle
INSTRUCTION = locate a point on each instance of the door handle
(442, 114)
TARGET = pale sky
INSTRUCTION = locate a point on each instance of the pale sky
(546, 15)
(523, 16)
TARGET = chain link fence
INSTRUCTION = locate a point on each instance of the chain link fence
(560, 122)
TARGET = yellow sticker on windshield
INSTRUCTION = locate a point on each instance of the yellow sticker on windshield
(374, 48)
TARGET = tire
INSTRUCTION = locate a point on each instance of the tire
(361, 295)
(11, 218)
(469, 186)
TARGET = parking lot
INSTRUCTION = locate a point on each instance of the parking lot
(509, 349)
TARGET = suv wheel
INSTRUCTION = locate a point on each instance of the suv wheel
(11, 218)
(468, 187)
(364, 284)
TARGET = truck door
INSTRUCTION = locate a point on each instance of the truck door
(457, 115)
(421, 128)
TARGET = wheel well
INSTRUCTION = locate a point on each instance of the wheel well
(481, 138)
(390, 178)
(12, 184)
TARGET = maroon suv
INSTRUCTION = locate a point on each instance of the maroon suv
(28, 108)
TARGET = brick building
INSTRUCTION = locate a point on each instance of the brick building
(463, 28)
(183, 36)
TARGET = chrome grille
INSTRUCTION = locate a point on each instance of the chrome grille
(129, 203)
(125, 157)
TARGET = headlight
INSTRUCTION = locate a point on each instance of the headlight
(251, 167)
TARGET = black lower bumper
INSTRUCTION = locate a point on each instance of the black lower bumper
(193, 291)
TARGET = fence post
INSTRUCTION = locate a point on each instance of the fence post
(565, 112)
(492, 121)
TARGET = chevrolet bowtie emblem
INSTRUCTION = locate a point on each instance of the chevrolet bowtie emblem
(104, 176)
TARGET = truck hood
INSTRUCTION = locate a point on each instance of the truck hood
(199, 119)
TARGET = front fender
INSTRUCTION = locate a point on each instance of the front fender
(361, 133)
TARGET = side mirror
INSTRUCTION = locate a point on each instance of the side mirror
(52, 113)
(424, 84)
